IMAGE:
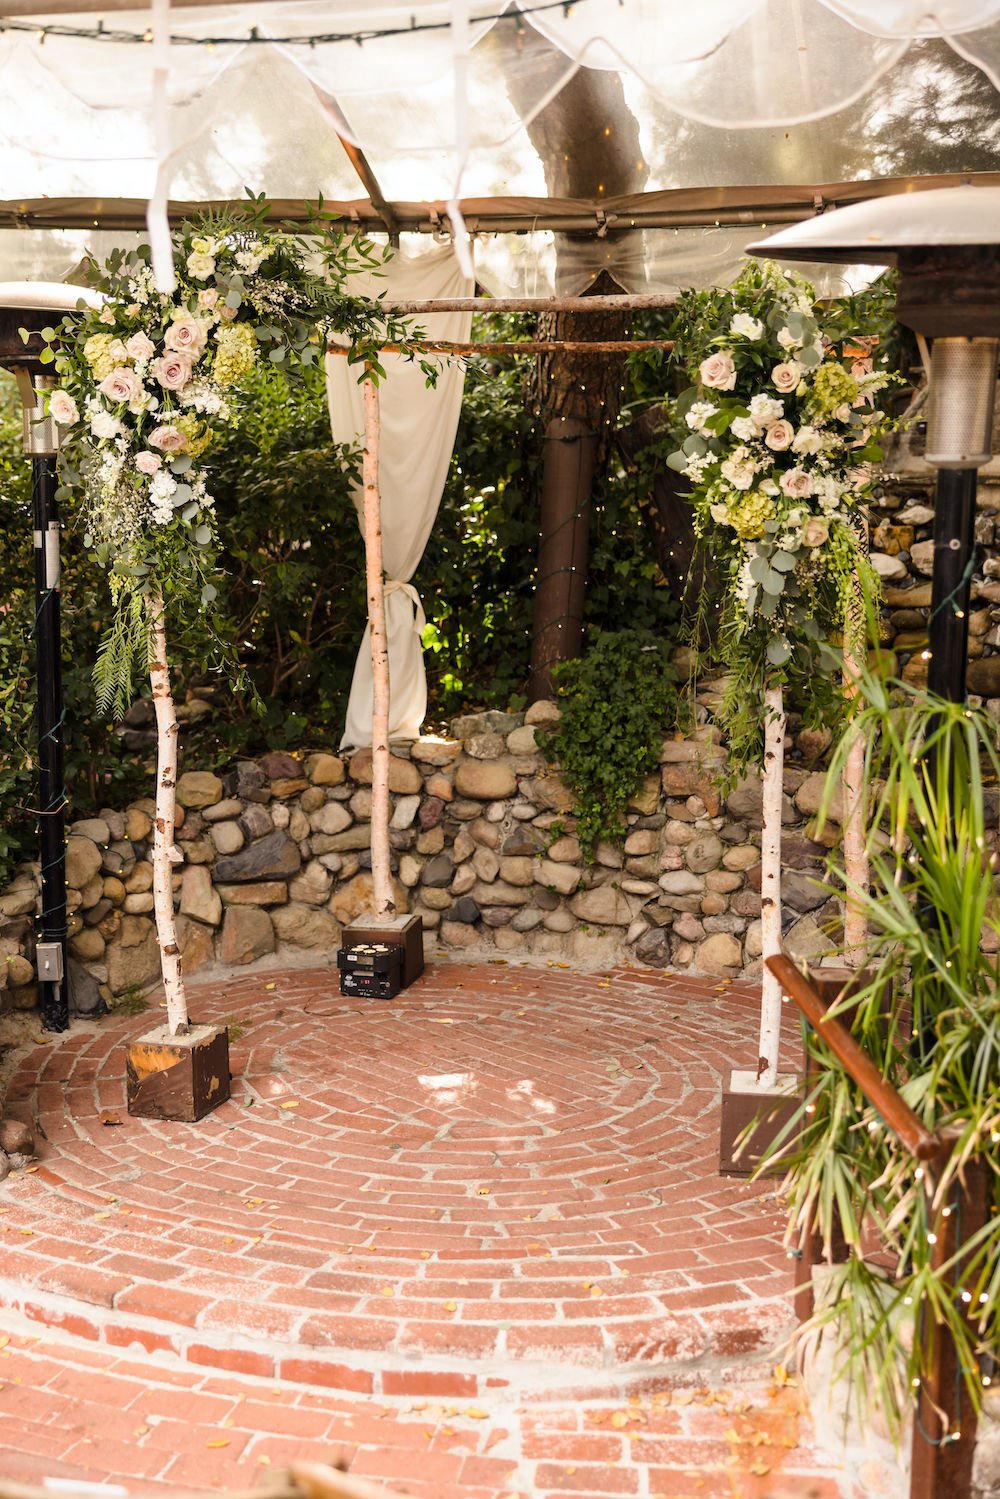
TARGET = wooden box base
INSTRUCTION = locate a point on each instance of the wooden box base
(178, 1077)
(742, 1104)
(406, 932)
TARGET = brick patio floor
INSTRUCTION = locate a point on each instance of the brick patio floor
(475, 1236)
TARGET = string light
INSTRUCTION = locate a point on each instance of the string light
(100, 33)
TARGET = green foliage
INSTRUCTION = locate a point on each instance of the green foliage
(477, 577)
(617, 702)
(931, 903)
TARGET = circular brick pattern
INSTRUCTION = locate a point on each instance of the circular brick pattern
(501, 1164)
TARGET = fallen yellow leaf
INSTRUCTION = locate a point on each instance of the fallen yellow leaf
(220, 1442)
(475, 1414)
(289, 1103)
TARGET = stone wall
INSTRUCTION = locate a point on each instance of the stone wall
(276, 851)
(276, 861)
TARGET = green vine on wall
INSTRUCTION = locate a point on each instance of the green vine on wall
(617, 703)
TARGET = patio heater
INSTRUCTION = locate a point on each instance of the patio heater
(946, 243)
(32, 306)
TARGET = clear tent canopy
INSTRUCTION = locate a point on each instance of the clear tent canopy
(650, 138)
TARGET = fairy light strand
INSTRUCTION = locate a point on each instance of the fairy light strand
(101, 33)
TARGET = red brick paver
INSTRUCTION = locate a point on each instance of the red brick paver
(498, 1192)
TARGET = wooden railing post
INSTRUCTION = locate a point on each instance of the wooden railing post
(944, 1423)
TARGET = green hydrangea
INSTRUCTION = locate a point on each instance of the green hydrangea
(236, 354)
(747, 513)
(832, 387)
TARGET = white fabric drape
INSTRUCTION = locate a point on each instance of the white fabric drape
(418, 433)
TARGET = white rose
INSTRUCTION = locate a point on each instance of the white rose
(787, 339)
(765, 409)
(787, 377)
(200, 265)
(779, 436)
(718, 372)
(745, 326)
(63, 408)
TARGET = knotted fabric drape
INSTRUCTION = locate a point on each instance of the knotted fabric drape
(418, 434)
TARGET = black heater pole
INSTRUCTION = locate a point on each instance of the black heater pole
(951, 586)
(50, 951)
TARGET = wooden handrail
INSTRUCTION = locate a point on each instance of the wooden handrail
(898, 1115)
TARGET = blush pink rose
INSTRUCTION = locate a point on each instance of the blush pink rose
(796, 483)
(718, 372)
(186, 335)
(226, 312)
(121, 386)
(787, 377)
(63, 408)
(779, 436)
(173, 370)
(815, 531)
(149, 463)
(168, 439)
(208, 297)
(140, 347)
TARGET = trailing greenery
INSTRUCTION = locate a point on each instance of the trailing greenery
(929, 1017)
(617, 703)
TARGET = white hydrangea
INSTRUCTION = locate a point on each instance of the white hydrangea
(104, 424)
(827, 490)
(765, 409)
(162, 487)
(745, 428)
(698, 414)
(808, 440)
(740, 468)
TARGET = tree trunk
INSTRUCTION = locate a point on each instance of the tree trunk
(381, 868)
(588, 142)
(165, 854)
(576, 398)
(770, 883)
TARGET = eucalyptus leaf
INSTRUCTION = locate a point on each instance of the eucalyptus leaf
(209, 593)
(773, 583)
(778, 651)
(181, 495)
(190, 510)
(203, 535)
(180, 464)
(759, 569)
(809, 356)
(783, 561)
(677, 461)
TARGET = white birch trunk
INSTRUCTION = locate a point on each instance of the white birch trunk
(770, 883)
(381, 870)
(165, 854)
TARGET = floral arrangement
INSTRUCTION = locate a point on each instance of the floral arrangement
(777, 435)
(147, 383)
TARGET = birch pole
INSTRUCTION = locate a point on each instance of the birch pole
(770, 883)
(381, 871)
(852, 786)
(165, 853)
